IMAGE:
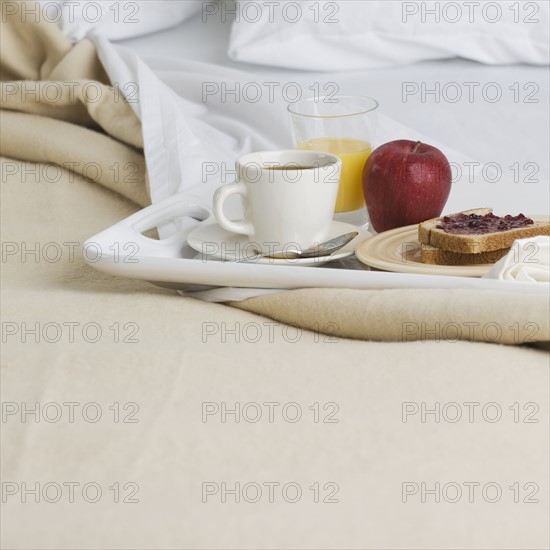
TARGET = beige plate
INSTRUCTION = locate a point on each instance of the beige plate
(399, 250)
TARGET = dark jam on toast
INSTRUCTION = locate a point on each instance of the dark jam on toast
(474, 224)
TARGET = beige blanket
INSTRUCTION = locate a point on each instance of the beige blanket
(58, 107)
(163, 373)
(74, 335)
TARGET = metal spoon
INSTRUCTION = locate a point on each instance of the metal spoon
(316, 251)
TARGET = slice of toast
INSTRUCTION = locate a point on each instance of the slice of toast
(437, 256)
(425, 228)
(429, 234)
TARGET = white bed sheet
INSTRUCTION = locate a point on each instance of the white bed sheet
(507, 140)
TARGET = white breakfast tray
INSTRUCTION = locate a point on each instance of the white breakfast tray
(123, 250)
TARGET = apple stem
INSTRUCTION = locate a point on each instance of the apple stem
(416, 146)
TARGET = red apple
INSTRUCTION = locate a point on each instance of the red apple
(405, 182)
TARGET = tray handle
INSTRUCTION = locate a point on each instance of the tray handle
(130, 231)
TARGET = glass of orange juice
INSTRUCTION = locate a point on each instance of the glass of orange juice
(343, 126)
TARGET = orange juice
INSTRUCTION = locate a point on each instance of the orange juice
(354, 154)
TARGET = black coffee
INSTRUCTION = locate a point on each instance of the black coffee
(289, 167)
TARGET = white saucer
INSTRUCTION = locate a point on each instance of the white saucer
(212, 241)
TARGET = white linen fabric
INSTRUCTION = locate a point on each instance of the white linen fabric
(496, 115)
(528, 260)
(348, 35)
(118, 20)
(192, 141)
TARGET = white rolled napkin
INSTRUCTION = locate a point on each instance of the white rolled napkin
(527, 260)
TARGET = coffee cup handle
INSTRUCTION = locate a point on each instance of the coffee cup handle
(243, 227)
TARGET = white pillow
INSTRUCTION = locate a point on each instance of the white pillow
(118, 20)
(355, 34)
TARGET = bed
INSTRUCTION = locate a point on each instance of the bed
(220, 427)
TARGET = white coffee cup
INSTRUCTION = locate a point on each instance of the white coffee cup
(288, 198)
